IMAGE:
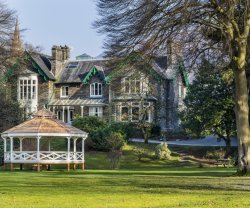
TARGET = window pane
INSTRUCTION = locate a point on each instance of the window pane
(96, 88)
(25, 92)
(124, 116)
(33, 92)
(138, 87)
(135, 113)
(66, 91)
(100, 89)
(132, 86)
(126, 85)
(29, 92)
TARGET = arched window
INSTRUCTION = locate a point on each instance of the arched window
(95, 89)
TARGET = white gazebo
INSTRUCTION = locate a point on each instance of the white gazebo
(43, 125)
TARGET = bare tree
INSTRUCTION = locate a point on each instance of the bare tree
(216, 28)
(7, 21)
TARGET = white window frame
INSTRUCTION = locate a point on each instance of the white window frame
(96, 111)
(143, 85)
(92, 89)
(61, 92)
(33, 86)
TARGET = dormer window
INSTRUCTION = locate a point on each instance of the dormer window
(64, 91)
(95, 89)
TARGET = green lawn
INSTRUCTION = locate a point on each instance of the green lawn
(148, 184)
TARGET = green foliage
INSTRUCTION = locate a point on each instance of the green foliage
(209, 105)
(102, 136)
(127, 129)
(10, 112)
(140, 152)
(115, 141)
(215, 154)
(88, 123)
(162, 152)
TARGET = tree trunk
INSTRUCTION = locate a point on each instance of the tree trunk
(242, 111)
(228, 147)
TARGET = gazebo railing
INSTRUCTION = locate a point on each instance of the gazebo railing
(43, 156)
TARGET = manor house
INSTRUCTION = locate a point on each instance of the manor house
(149, 90)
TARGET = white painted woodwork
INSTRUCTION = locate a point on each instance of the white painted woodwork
(43, 157)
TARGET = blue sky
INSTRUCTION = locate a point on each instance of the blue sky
(59, 22)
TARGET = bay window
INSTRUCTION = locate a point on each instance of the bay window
(27, 88)
(134, 112)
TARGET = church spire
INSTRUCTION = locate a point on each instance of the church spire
(16, 48)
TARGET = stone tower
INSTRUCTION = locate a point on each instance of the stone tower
(16, 47)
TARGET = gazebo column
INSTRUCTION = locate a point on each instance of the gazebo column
(11, 154)
(75, 139)
(4, 152)
(53, 109)
(83, 153)
(21, 149)
(68, 153)
(38, 153)
(63, 119)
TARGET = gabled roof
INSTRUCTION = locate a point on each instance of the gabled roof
(43, 62)
(77, 74)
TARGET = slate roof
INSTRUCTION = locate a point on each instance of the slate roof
(44, 63)
(76, 75)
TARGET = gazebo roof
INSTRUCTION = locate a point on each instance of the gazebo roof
(44, 123)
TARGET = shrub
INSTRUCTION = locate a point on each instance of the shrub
(140, 152)
(102, 136)
(89, 123)
(162, 152)
(99, 139)
(115, 141)
(127, 129)
(156, 130)
(215, 154)
(114, 157)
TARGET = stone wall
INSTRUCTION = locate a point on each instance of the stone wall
(81, 91)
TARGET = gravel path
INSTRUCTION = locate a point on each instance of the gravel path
(210, 141)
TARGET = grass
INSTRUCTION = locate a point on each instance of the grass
(146, 184)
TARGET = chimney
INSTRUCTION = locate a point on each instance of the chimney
(174, 51)
(60, 56)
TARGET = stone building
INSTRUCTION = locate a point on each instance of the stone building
(152, 91)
